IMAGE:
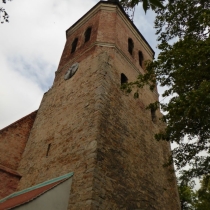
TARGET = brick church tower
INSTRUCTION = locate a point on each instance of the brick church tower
(88, 131)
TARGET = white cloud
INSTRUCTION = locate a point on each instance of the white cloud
(19, 96)
(31, 45)
(30, 49)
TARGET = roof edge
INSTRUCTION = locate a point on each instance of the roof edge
(66, 176)
(19, 120)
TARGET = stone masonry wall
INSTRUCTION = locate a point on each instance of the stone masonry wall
(103, 136)
(88, 126)
(68, 120)
(129, 173)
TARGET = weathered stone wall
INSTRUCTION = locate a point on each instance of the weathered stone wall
(129, 172)
(95, 130)
(104, 136)
(13, 139)
(68, 120)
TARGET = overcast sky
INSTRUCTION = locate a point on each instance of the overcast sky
(31, 45)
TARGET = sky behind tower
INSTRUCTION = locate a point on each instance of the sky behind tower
(31, 45)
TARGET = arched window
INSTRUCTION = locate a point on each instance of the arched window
(74, 45)
(124, 79)
(141, 58)
(87, 34)
(130, 46)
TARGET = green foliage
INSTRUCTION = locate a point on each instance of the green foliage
(194, 200)
(145, 3)
(4, 17)
(136, 95)
(203, 195)
(187, 197)
(183, 69)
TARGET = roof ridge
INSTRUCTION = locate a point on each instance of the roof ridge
(38, 195)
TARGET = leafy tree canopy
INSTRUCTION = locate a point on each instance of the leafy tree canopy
(187, 196)
(145, 3)
(183, 68)
(195, 200)
(4, 17)
(203, 195)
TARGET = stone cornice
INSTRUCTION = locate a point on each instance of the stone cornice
(106, 44)
(102, 44)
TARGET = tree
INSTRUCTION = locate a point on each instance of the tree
(183, 67)
(187, 196)
(194, 200)
(203, 195)
(145, 3)
(4, 17)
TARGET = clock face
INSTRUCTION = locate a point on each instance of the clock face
(71, 71)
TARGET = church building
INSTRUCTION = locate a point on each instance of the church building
(90, 145)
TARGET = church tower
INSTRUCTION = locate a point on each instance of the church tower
(87, 125)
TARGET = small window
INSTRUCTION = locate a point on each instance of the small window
(74, 45)
(48, 150)
(153, 115)
(87, 34)
(130, 46)
(141, 58)
(124, 79)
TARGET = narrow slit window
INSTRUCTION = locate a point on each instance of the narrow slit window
(48, 150)
(124, 79)
(141, 58)
(74, 45)
(88, 34)
(153, 115)
(130, 46)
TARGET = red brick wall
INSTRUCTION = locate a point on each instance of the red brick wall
(81, 45)
(8, 181)
(122, 35)
(13, 139)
